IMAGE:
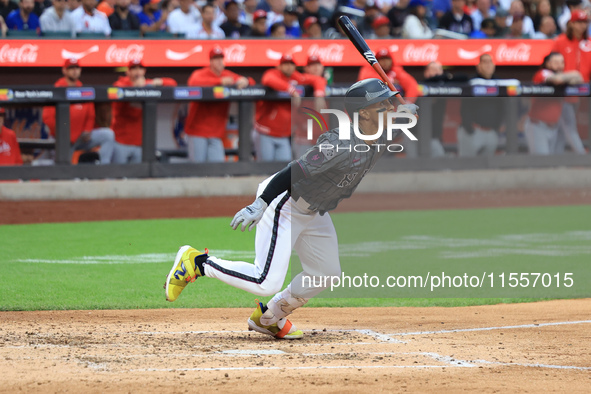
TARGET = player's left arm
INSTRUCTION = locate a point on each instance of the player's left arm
(317, 83)
(281, 182)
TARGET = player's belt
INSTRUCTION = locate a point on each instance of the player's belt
(301, 204)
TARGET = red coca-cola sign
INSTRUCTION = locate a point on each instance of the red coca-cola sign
(266, 53)
(422, 54)
(235, 53)
(327, 53)
(519, 53)
(25, 53)
(116, 54)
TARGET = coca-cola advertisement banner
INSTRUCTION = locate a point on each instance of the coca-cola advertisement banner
(265, 53)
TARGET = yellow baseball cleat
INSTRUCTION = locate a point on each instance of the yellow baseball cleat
(188, 265)
(283, 329)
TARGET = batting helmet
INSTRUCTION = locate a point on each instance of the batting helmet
(365, 93)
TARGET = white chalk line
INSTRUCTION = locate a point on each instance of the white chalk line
(290, 368)
(536, 244)
(535, 325)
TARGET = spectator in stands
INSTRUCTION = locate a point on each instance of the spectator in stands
(107, 7)
(415, 24)
(23, 18)
(573, 46)
(397, 15)
(565, 16)
(206, 121)
(88, 19)
(501, 21)
(364, 25)
(483, 11)
(547, 28)
(122, 18)
(455, 20)
(127, 116)
(542, 128)
(83, 135)
(481, 117)
(273, 118)
(488, 29)
(219, 16)
(57, 18)
(3, 27)
(517, 9)
(152, 18)
(275, 12)
(381, 27)
(516, 27)
(184, 19)
(206, 29)
(277, 30)
(232, 27)
(403, 81)
(439, 8)
(73, 4)
(543, 9)
(10, 152)
(250, 7)
(313, 8)
(6, 7)
(312, 28)
(40, 6)
(290, 21)
(259, 25)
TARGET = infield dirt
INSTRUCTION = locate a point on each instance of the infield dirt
(534, 347)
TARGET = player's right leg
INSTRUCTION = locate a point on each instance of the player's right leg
(273, 245)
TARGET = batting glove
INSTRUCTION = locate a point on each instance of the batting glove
(408, 108)
(249, 216)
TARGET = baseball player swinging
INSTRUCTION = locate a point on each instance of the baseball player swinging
(291, 212)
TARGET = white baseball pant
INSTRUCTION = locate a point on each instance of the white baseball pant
(286, 225)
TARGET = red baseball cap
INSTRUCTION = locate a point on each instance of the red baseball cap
(136, 63)
(380, 21)
(258, 14)
(579, 15)
(383, 53)
(216, 52)
(313, 59)
(310, 21)
(286, 58)
(73, 62)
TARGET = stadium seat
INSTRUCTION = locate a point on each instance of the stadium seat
(91, 36)
(162, 35)
(125, 34)
(21, 33)
(57, 34)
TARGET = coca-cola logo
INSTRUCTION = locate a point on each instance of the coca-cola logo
(332, 53)
(26, 53)
(420, 54)
(235, 53)
(513, 54)
(126, 54)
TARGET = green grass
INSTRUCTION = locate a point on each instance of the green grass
(27, 285)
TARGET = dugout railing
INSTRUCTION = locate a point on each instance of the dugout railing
(151, 166)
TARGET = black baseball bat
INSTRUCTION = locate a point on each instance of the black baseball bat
(361, 45)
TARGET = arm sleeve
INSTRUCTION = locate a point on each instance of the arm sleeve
(409, 84)
(90, 117)
(277, 83)
(282, 181)
(318, 83)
